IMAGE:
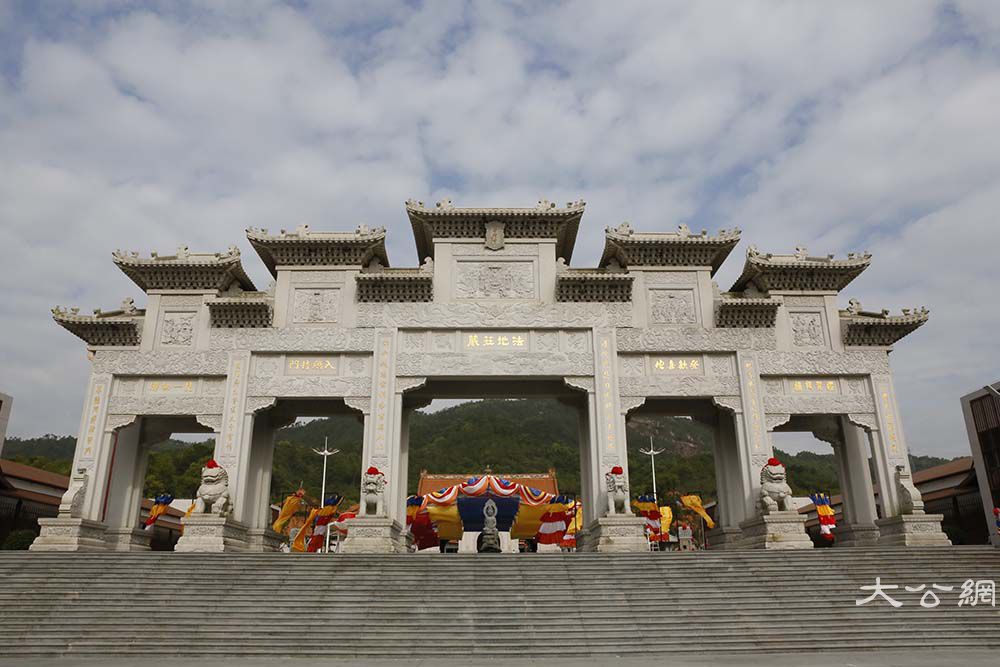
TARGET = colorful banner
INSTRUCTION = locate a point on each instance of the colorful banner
(826, 515)
(288, 509)
(693, 502)
(160, 506)
(323, 519)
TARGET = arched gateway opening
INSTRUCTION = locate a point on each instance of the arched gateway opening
(493, 301)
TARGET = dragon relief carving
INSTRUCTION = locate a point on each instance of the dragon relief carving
(693, 338)
(476, 315)
(672, 306)
(494, 280)
(177, 329)
(823, 362)
(490, 363)
(160, 362)
(294, 339)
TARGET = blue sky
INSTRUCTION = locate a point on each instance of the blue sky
(841, 126)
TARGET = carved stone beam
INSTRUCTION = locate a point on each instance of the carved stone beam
(867, 421)
(213, 422)
(732, 404)
(581, 383)
(258, 403)
(115, 422)
(362, 404)
(773, 420)
(629, 403)
(410, 383)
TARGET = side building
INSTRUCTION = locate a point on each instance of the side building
(982, 421)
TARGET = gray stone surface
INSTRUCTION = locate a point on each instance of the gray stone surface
(211, 533)
(69, 534)
(373, 535)
(618, 533)
(776, 531)
(921, 530)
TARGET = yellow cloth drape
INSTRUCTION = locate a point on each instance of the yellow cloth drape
(189, 512)
(666, 518)
(577, 522)
(288, 509)
(527, 521)
(157, 511)
(693, 502)
(446, 520)
(299, 543)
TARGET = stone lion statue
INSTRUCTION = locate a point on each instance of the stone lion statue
(373, 492)
(775, 494)
(617, 491)
(213, 494)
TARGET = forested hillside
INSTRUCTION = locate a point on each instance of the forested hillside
(514, 436)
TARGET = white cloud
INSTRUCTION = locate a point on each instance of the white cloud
(860, 125)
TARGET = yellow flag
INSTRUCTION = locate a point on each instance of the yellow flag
(288, 510)
(693, 502)
(299, 543)
(189, 512)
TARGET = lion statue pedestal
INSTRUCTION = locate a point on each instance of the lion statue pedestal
(69, 531)
(911, 527)
(779, 525)
(210, 527)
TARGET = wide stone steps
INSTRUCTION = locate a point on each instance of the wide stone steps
(272, 605)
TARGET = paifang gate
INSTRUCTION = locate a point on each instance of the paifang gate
(494, 299)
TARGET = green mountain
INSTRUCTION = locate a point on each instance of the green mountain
(512, 436)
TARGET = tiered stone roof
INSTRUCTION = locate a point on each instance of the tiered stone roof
(396, 285)
(593, 285)
(184, 270)
(303, 247)
(799, 272)
(629, 248)
(739, 311)
(119, 328)
(879, 328)
(241, 310)
(445, 220)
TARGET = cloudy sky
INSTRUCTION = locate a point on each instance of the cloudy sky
(842, 126)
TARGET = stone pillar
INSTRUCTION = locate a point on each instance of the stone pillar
(124, 495)
(260, 537)
(382, 534)
(858, 496)
(611, 532)
(731, 485)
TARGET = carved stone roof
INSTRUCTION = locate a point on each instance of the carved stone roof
(119, 328)
(241, 310)
(303, 247)
(736, 311)
(445, 220)
(879, 328)
(593, 285)
(681, 248)
(799, 272)
(184, 270)
(384, 285)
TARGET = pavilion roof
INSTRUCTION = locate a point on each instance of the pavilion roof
(184, 270)
(879, 328)
(544, 220)
(738, 310)
(303, 247)
(122, 327)
(799, 272)
(629, 248)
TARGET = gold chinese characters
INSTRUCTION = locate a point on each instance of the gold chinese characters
(814, 386)
(674, 364)
(480, 340)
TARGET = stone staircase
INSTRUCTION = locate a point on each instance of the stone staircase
(488, 606)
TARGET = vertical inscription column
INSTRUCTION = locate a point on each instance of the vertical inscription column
(755, 444)
(94, 446)
(888, 445)
(379, 444)
(232, 449)
(609, 420)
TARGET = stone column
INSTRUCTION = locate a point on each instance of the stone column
(83, 528)
(900, 524)
(233, 447)
(381, 534)
(124, 495)
(260, 537)
(731, 483)
(858, 497)
(610, 531)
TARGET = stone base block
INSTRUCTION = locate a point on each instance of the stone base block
(583, 540)
(128, 539)
(856, 535)
(618, 533)
(373, 535)
(211, 533)
(912, 530)
(65, 534)
(777, 530)
(264, 539)
(722, 538)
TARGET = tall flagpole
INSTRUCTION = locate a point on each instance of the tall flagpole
(652, 453)
(326, 454)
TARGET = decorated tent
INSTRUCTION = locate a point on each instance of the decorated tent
(447, 513)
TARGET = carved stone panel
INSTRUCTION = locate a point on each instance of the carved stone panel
(495, 363)
(807, 329)
(494, 314)
(495, 280)
(177, 329)
(315, 305)
(672, 306)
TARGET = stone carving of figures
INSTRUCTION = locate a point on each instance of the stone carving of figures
(71, 505)
(178, 330)
(673, 307)
(807, 329)
(213, 494)
(373, 490)
(910, 501)
(775, 494)
(617, 491)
